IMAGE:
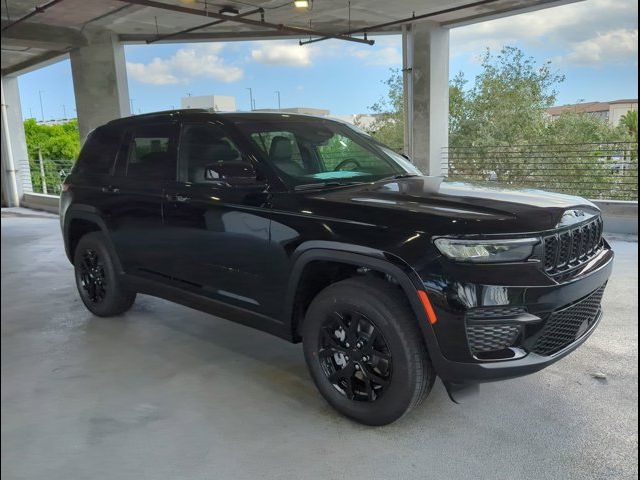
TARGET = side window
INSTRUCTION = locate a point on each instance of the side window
(152, 153)
(99, 152)
(204, 145)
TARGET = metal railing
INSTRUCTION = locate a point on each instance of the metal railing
(602, 171)
(47, 175)
(599, 171)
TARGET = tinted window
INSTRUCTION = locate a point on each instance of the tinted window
(152, 153)
(314, 151)
(204, 145)
(277, 145)
(99, 152)
(343, 153)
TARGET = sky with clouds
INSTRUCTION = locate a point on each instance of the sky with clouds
(594, 43)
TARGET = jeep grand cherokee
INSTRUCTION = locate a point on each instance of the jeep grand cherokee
(313, 231)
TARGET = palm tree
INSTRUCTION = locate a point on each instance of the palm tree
(630, 122)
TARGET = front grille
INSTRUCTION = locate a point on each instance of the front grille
(490, 338)
(565, 326)
(568, 249)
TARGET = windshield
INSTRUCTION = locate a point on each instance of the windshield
(322, 151)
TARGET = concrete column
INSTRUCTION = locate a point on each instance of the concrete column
(426, 83)
(99, 81)
(16, 177)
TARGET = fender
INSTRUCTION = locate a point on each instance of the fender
(374, 259)
(90, 214)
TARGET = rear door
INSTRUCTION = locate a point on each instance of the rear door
(145, 164)
(94, 171)
(218, 233)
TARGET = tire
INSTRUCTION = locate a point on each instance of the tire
(398, 370)
(99, 285)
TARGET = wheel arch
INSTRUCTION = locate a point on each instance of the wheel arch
(351, 259)
(80, 220)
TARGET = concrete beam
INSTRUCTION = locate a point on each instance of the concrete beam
(99, 81)
(35, 63)
(509, 10)
(16, 177)
(40, 35)
(426, 82)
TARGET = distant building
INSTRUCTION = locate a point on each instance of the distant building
(360, 120)
(54, 121)
(218, 103)
(320, 112)
(610, 112)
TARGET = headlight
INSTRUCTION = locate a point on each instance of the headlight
(487, 251)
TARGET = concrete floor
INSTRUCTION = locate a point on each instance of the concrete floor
(166, 392)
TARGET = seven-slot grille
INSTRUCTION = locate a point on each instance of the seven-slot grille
(567, 325)
(569, 249)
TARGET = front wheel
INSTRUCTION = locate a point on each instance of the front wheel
(97, 279)
(365, 352)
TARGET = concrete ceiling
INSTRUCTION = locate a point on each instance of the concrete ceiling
(55, 31)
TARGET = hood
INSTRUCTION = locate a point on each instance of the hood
(483, 208)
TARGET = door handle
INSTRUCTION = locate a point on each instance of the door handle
(110, 189)
(176, 197)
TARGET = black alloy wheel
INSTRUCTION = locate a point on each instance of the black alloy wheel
(92, 276)
(355, 356)
(100, 286)
(364, 350)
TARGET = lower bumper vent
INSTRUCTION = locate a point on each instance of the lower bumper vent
(565, 326)
(490, 338)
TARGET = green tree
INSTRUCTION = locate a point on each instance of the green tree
(506, 103)
(579, 128)
(499, 129)
(59, 146)
(629, 121)
(389, 124)
(56, 142)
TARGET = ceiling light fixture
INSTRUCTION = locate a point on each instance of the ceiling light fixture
(302, 3)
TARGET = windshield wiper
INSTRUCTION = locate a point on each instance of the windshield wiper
(398, 177)
(312, 186)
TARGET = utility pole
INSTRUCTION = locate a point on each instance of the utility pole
(252, 105)
(278, 95)
(41, 108)
(64, 112)
(131, 106)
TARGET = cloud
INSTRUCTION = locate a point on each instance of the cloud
(157, 72)
(616, 47)
(283, 53)
(202, 60)
(387, 52)
(584, 32)
(387, 56)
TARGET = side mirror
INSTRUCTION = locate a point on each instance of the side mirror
(231, 173)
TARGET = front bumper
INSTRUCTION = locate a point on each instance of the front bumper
(448, 340)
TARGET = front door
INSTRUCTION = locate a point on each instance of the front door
(219, 231)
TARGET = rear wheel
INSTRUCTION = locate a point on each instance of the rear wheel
(98, 282)
(365, 352)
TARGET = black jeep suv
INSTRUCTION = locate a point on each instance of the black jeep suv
(313, 231)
